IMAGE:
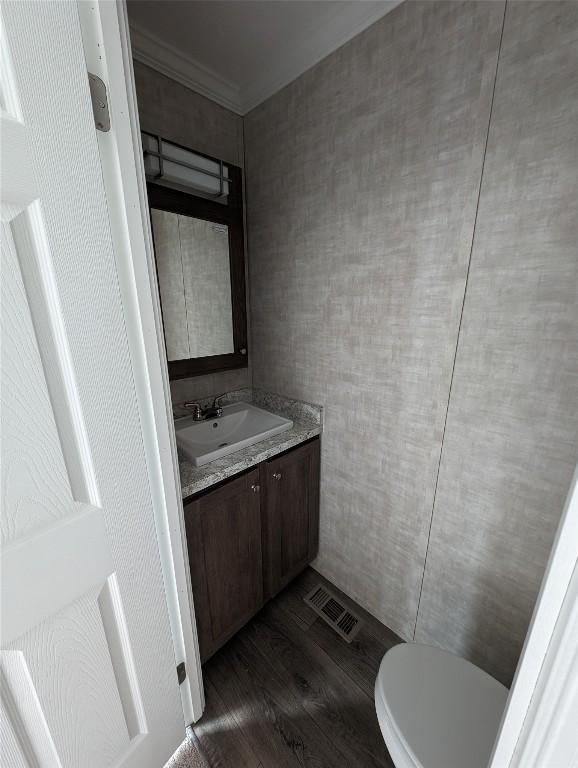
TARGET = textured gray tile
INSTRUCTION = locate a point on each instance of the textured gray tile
(511, 442)
(193, 389)
(362, 182)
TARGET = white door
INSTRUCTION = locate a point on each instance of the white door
(87, 663)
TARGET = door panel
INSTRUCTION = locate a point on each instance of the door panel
(290, 514)
(31, 443)
(87, 663)
(224, 539)
(232, 537)
(293, 510)
(64, 656)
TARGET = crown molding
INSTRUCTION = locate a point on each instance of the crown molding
(331, 33)
(164, 58)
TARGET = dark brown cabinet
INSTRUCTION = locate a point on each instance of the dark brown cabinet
(248, 538)
(290, 515)
(224, 542)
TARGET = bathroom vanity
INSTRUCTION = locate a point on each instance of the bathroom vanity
(252, 523)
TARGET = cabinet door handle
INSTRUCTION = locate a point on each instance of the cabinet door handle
(277, 475)
(255, 488)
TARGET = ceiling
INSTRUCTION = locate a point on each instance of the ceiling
(240, 52)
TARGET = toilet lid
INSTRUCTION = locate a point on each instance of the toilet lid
(444, 710)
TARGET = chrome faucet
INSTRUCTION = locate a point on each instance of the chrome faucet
(200, 414)
(216, 410)
(197, 410)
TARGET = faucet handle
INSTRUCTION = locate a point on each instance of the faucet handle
(196, 408)
(216, 403)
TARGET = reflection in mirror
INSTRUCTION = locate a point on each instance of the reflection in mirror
(194, 277)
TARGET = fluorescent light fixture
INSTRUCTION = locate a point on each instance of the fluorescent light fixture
(174, 166)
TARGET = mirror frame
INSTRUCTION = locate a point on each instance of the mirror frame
(173, 200)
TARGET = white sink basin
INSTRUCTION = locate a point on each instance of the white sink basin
(241, 424)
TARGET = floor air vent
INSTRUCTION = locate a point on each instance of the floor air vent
(332, 611)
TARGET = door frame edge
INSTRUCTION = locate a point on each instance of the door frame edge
(541, 708)
(106, 38)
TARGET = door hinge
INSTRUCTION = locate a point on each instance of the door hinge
(99, 103)
(181, 672)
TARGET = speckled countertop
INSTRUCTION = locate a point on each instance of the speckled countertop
(307, 423)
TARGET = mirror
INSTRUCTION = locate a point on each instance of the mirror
(199, 254)
(195, 285)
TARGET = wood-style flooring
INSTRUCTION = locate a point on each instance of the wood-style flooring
(287, 691)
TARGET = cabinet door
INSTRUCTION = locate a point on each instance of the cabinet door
(290, 514)
(224, 544)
